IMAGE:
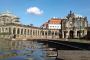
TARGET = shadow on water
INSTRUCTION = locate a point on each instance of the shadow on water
(66, 45)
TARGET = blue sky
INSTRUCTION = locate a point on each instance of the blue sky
(44, 9)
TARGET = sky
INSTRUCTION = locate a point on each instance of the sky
(37, 12)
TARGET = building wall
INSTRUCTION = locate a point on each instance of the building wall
(70, 27)
(54, 26)
(18, 32)
(53, 23)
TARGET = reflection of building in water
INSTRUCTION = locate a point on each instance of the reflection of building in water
(10, 27)
(74, 26)
(18, 45)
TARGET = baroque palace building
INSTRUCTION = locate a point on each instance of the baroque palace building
(74, 26)
(10, 27)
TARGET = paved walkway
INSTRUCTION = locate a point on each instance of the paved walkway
(74, 54)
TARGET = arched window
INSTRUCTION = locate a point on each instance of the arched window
(52, 32)
(36, 32)
(42, 32)
(56, 33)
(18, 31)
(28, 31)
(33, 32)
(0, 29)
(45, 32)
(21, 31)
(49, 32)
(14, 30)
(25, 31)
(9, 30)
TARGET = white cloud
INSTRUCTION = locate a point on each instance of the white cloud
(35, 11)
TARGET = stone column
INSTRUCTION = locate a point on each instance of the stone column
(32, 33)
(63, 34)
(51, 35)
(0, 29)
(11, 30)
(40, 33)
(37, 33)
(16, 31)
(44, 34)
(54, 36)
(20, 31)
(75, 34)
(47, 34)
(26, 32)
(29, 31)
(23, 33)
(85, 32)
(67, 34)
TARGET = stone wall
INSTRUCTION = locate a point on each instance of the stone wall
(74, 54)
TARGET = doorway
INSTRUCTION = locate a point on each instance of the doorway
(78, 34)
(71, 34)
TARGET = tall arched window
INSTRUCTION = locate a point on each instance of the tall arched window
(9, 30)
(0, 29)
(21, 31)
(49, 32)
(18, 31)
(14, 30)
(25, 31)
(33, 32)
(28, 31)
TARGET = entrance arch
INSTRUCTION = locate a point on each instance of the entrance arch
(71, 34)
(65, 32)
(78, 34)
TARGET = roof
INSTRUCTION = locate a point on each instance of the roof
(55, 21)
(7, 13)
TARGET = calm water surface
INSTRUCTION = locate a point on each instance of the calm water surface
(22, 50)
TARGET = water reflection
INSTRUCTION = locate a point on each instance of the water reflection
(21, 50)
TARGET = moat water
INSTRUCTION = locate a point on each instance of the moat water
(22, 50)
